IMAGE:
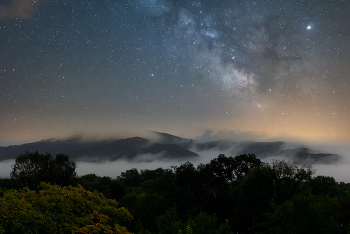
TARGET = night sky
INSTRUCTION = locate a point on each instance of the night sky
(263, 69)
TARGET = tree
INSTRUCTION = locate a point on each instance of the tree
(304, 213)
(204, 223)
(147, 174)
(324, 185)
(62, 170)
(130, 178)
(230, 170)
(145, 207)
(93, 183)
(32, 168)
(288, 177)
(188, 192)
(169, 223)
(7, 184)
(56, 209)
(253, 198)
(267, 184)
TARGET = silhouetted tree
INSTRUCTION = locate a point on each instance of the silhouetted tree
(32, 168)
(288, 177)
(324, 185)
(254, 196)
(230, 170)
(130, 178)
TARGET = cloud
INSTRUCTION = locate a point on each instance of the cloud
(239, 136)
(236, 135)
(5, 168)
(340, 171)
(22, 9)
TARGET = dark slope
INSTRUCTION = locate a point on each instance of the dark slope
(97, 150)
(131, 148)
(167, 146)
(52, 146)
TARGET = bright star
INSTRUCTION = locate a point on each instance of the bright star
(308, 27)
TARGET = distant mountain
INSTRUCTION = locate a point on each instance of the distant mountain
(165, 146)
(132, 148)
(297, 153)
(300, 154)
(52, 146)
(309, 156)
(135, 148)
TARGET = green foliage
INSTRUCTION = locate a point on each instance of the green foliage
(202, 223)
(32, 168)
(253, 198)
(130, 178)
(145, 207)
(7, 184)
(324, 185)
(56, 209)
(110, 188)
(169, 222)
(188, 230)
(225, 228)
(93, 183)
(225, 196)
(304, 213)
(152, 174)
(230, 170)
(288, 177)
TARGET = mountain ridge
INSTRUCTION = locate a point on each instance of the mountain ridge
(127, 149)
(164, 146)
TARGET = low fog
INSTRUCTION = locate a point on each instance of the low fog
(340, 170)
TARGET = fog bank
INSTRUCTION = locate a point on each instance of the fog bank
(340, 170)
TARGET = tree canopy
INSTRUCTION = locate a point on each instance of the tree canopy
(56, 209)
(231, 194)
(32, 168)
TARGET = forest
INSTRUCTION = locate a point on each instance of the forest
(230, 194)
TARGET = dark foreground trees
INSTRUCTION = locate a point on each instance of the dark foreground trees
(56, 209)
(236, 195)
(304, 213)
(32, 168)
(227, 195)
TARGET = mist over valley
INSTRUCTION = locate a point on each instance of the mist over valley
(110, 157)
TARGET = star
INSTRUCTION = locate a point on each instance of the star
(144, 58)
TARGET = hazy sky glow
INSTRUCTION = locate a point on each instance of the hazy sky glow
(272, 68)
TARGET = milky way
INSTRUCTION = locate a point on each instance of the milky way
(269, 68)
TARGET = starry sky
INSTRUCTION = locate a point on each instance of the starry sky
(257, 69)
